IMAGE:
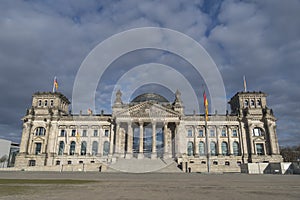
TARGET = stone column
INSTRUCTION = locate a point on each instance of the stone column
(165, 138)
(117, 144)
(252, 150)
(129, 140)
(111, 145)
(154, 154)
(141, 141)
(24, 147)
(196, 145)
(229, 136)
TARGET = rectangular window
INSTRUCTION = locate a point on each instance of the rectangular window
(31, 163)
(38, 148)
(73, 134)
(234, 133)
(106, 132)
(201, 133)
(62, 133)
(190, 133)
(212, 133)
(95, 133)
(223, 133)
(260, 149)
(84, 133)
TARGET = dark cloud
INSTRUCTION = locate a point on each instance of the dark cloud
(43, 39)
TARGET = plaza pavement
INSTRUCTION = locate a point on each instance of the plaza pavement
(156, 186)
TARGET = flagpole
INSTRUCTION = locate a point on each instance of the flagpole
(206, 141)
(206, 132)
(53, 89)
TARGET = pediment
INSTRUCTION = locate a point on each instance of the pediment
(38, 139)
(259, 139)
(147, 110)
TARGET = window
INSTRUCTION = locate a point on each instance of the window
(260, 149)
(38, 148)
(257, 132)
(69, 162)
(190, 148)
(40, 103)
(223, 133)
(46, 103)
(224, 148)
(95, 148)
(63, 133)
(51, 103)
(106, 132)
(215, 162)
(227, 163)
(252, 103)
(73, 133)
(246, 103)
(212, 133)
(84, 133)
(201, 148)
(83, 148)
(203, 162)
(258, 103)
(40, 131)
(58, 162)
(80, 162)
(190, 133)
(105, 148)
(201, 133)
(213, 148)
(61, 148)
(236, 148)
(95, 133)
(31, 163)
(234, 133)
(72, 148)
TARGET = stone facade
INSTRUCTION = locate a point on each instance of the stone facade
(53, 136)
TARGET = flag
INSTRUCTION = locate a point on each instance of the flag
(55, 84)
(205, 105)
(77, 137)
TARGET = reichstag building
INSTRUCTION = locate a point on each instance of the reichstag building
(148, 128)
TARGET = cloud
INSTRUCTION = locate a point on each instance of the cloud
(43, 39)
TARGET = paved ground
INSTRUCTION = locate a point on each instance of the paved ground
(154, 186)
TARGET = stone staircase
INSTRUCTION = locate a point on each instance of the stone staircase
(145, 165)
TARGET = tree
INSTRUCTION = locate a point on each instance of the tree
(3, 159)
(290, 154)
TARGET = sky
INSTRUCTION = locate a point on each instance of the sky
(256, 38)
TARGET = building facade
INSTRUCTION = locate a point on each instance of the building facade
(149, 127)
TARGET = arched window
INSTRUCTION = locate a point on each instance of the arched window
(40, 131)
(201, 148)
(105, 148)
(236, 148)
(83, 148)
(224, 148)
(73, 133)
(258, 103)
(258, 131)
(252, 103)
(72, 148)
(190, 146)
(51, 103)
(46, 103)
(40, 103)
(213, 148)
(95, 148)
(61, 148)
(246, 103)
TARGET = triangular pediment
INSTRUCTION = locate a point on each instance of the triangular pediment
(259, 139)
(147, 110)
